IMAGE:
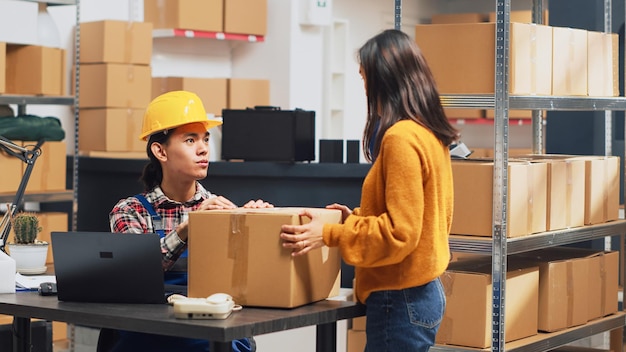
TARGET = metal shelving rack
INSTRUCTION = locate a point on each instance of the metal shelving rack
(499, 246)
(23, 100)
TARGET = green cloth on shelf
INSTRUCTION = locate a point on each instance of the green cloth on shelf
(31, 128)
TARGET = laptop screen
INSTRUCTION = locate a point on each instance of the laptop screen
(108, 267)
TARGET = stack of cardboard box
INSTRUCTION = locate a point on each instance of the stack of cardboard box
(544, 60)
(545, 192)
(115, 84)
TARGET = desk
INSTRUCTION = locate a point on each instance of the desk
(159, 319)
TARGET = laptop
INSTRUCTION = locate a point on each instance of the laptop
(106, 267)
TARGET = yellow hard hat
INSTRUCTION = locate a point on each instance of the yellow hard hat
(173, 109)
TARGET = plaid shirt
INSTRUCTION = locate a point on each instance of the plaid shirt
(130, 216)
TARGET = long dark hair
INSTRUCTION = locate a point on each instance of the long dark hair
(399, 86)
(152, 175)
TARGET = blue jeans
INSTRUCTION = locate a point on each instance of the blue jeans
(404, 320)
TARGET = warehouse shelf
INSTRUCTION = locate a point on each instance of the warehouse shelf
(41, 197)
(534, 102)
(485, 121)
(186, 33)
(36, 99)
(484, 245)
(548, 341)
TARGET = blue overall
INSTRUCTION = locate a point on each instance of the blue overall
(171, 277)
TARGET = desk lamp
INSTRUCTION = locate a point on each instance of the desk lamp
(28, 155)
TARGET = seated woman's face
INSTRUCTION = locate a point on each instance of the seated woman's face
(186, 153)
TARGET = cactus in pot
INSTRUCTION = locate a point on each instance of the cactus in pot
(26, 228)
(30, 254)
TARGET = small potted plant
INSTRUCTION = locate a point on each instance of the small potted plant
(29, 252)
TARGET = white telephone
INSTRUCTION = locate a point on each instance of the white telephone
(216, 306)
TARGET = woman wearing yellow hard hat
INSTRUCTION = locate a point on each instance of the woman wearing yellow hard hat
(176, 128)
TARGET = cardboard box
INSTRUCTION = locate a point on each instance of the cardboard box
(563, 288)
(49, 222)
(49, 173)
(464, 113)
(119, 86)
(239, 252)
(3, 63)
(35, 70)
(356, 341)
(111, 130)
(601, 188)
(513, 114)
(601, 64)
(566, 190)
(473, 198)
(245, 16)
(447, 18)
(212, 91)
(111, 41)
(461, 57)
(468, 287)
(248, 93)
(200, 15)
(18, 14)
(11, 171)
(520, 16)
(569, 62)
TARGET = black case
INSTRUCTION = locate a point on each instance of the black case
(268, 133)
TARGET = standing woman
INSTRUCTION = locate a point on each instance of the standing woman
(397, 239)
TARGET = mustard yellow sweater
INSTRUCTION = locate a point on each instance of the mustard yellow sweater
(398, 237)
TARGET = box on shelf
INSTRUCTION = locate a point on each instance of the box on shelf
(239, 252)
(563, 288)
(601, 188)
(467, 17)
(50, 168)
(356, 341)
(18, 14)
(3, 63)
(111, 130)
(569, 61)
(212, 91)
(473, 198)
(110, 41)
(35, 70)
(521, 16)
(468, 288)
(461, 57)
(245, 16)
(119, 86)
(566, 190)
(602, 64)
(464, 113)
(200, 15)
(513, 114)
(248, 93)
(11, 171)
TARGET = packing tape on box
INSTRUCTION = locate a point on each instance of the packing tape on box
(603, 283)
(605, 188)
(130, 77)
(533, 58)
(569, 282)
(238, 252)
(128, 41)
(571, 48)
(569, 189)
(161, 12)
(530, 187)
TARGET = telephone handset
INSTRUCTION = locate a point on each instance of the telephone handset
(216, 306)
